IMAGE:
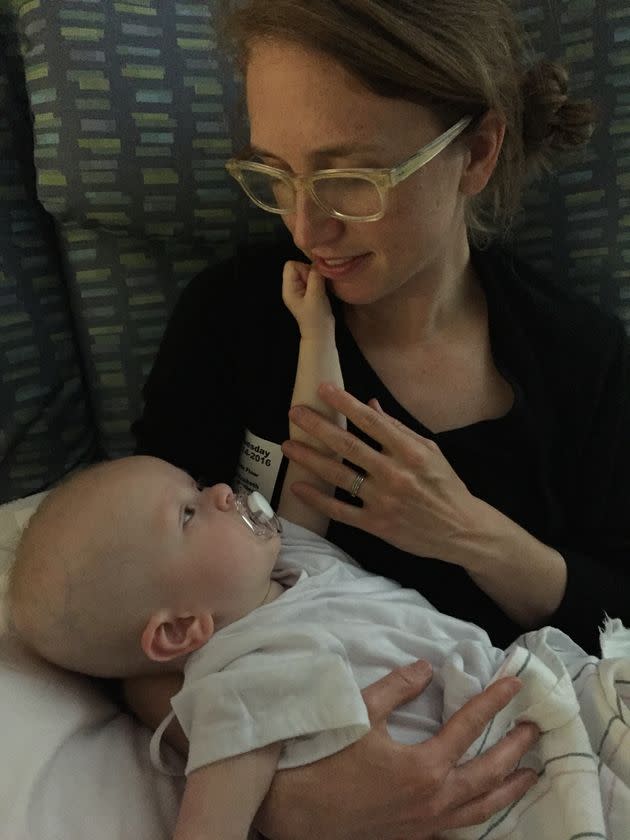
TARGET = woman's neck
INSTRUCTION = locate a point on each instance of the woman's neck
(424, 308)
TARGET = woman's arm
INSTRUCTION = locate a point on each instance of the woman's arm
(596, 543)
(414, 500)
(190, 397)
(204, 386)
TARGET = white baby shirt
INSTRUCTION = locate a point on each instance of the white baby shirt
(293, 669)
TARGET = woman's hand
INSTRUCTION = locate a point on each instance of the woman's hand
(377, 789)
(304, 295)
(412, 498)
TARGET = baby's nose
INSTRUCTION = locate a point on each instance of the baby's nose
(221, 496)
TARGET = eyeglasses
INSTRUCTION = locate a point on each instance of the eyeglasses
(355, 195)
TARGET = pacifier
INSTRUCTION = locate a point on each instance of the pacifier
(257, 514)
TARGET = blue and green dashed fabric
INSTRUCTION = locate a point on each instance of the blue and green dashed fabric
(576, 223)
(45, 421)
(134, 110)
(131, 104)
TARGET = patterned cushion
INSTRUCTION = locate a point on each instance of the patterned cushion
(131, 101)
(45, 424)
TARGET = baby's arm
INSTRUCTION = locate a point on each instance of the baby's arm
(221, 799)
(304, 293)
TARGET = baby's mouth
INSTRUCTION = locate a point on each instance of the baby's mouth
(257, 514)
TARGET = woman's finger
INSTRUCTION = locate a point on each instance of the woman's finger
(331, 507)
(375, 404)
(377, 425)
(480, 775)
(469, 722)
(480, 809)
(328, 469)
(396, 688)
(338, 440)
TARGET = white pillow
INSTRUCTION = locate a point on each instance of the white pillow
(73, 765)
(13, 519)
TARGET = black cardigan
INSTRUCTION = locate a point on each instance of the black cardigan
(558, 463)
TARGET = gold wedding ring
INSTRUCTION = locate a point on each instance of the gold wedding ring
(356, 484)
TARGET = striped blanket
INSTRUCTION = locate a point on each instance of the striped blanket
(581, 705)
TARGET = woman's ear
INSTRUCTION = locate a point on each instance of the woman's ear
(484, 145)
(167, 636)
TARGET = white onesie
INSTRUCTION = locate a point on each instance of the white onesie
(293, 670)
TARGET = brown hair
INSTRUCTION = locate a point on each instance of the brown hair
(455, 57)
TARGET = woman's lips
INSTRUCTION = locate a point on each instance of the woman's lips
(340, 269)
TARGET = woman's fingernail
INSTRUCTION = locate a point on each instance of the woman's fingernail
(296, 412)
(421, 668)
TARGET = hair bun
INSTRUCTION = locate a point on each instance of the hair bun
(551, 120)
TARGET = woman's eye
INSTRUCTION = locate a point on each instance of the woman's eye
(189, 512)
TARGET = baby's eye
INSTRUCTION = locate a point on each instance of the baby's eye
(189, 512)
(200, 486)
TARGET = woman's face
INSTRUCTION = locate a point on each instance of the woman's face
(308, 113)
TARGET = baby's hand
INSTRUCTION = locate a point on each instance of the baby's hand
(304, 293)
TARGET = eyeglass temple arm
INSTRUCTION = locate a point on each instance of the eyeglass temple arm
(430, 151)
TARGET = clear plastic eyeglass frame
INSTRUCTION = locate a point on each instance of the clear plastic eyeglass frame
(382, 179)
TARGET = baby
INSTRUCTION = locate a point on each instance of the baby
(130, 567)
(109, 546)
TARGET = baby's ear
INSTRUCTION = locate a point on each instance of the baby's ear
(168, 636)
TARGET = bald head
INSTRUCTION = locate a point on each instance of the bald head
(82, 585)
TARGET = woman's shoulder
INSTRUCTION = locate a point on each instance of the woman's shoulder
(251, 270)
(543, 309)
(237, 294)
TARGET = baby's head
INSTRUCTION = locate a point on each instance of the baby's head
(129, 566)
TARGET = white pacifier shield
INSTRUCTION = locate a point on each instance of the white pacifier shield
(259, 506)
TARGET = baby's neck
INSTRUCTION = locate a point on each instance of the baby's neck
(275, 590)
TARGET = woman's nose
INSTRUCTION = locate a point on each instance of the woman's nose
(310, 225)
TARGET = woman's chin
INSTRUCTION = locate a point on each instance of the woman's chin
(358, 288)
(357, 292)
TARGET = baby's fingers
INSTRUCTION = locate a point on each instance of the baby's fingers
(294, 276)
(316, 285)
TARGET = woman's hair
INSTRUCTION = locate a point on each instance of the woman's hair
(457, 57)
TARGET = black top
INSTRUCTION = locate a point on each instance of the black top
(558, 463)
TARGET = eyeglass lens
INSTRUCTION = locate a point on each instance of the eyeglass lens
(355, 196)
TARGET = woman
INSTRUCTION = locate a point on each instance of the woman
(491, 469)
